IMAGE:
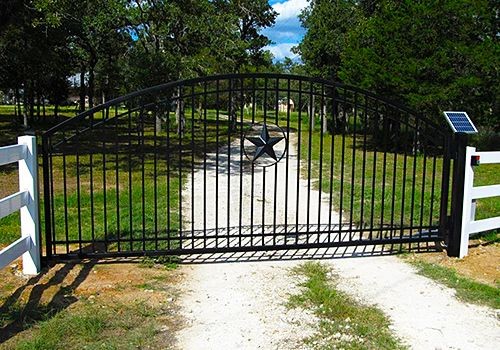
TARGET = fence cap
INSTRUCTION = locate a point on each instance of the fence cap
(460, 122)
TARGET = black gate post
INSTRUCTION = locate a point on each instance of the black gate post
(457, 194)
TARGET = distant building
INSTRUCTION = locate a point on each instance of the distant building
(283, 106)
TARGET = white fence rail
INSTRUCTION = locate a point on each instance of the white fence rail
(469, 224)
(26, 200)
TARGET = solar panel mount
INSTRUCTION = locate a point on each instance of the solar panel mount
(460, 122)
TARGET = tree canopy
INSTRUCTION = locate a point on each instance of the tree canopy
(116, 46)
(432, 55)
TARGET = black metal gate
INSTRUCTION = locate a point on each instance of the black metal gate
(243, 162)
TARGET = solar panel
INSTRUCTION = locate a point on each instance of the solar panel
(460, 122)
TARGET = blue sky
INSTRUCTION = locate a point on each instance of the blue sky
(287, 31)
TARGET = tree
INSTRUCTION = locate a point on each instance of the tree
(33, 59)
(96, 32)
(433, 55)
(327, 23)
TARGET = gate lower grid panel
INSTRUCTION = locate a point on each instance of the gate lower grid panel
(258, 238)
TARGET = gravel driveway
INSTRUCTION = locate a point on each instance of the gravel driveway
(236, 301)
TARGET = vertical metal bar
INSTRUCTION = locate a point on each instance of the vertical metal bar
(104, 189)
(193, 103)
(52, 199)
(66, 233)
(353, 167)
(299, 132)
(403, 190)
(393, 199)
(363, 169)
(205, 164)
(252, 185)
(242, 102)
(228, 194)
(180, 135)
(309, 157)
(287, 154)
(155, 174)
(130, 209)
(384, 172)
(321, 141)
(168, 153)
(433, 187)
(264, 169)
(275, 166)
(374, 176)
(332, 162)
(217, 103)
(414, 177)
(47, 197)
(342, 167)
(78, 194)
(117, 180)
(445, 182)
(91, 172)
(422, 196)
(143, 179)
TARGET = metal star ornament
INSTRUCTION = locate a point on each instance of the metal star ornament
(264, 144)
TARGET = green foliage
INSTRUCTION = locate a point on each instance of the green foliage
(328, 23)
(430, 55)
(119, 46)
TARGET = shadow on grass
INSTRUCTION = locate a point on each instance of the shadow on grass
(24, 316)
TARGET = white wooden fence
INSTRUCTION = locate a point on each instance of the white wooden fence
(469, 224)
(26, 200)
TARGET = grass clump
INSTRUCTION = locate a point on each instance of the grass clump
(466, 289)
(94, 326)
(343, 322)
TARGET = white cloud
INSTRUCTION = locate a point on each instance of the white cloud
(289, 9)
(280, 51)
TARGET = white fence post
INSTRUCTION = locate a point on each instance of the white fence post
(467, 206)
(28, 181)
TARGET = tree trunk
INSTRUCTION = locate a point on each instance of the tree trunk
(91, 86)
(311, 112)
(82, 89)
(32, 103)
(56, 110)
(38, 106)
(16, 103)
(179, 114)
(325, 121)
(43, 108)
(25, 108)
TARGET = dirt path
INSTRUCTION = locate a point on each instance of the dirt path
(240, 304)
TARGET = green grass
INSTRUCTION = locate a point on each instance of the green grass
(360, 179)
(466, 289)
(343, 322)
(94, 326)
(487, 174)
